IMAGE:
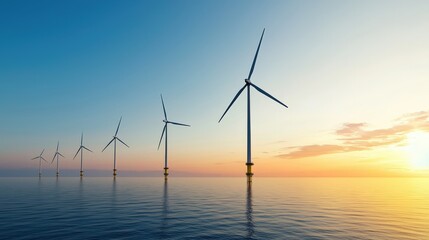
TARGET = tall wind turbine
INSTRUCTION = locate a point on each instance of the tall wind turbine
(40, 161)
(81, 148)
(164, 130)
(114, 141)
(57, 154)
(247, 86)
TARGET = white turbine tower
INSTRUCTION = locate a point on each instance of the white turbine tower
(114, 141)
(81, 148)
(247, 85)
(57, 154)
(40, 161)
(164, 130)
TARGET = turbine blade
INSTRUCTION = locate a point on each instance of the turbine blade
(81, 139)
(108, 144)
(122, 142)
(119, 124)
(233, 100)
(58, 144)
(35, 158)
(43, 159)
(180, 124)
(61, 155)
(163, 107)
(77, 152)
(42, 152)
(162, 135)
(87, 148)
(256, 56)
(267, 94)
(54, 157)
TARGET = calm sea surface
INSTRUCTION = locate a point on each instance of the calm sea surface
(214, 208)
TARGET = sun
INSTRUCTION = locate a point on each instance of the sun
(418, 150)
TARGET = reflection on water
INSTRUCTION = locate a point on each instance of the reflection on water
(113, 198)
(114, 186)
(249, 211)
(214, 208)
(164, 217)
(80, 190)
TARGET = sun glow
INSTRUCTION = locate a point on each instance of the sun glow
(418, 150)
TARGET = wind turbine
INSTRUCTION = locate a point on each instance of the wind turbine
(57, 154)
(81, 153)
(247, 85)
(40, 161)
(114, 141)
(164, 130)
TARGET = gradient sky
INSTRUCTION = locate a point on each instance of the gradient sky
(354, 74)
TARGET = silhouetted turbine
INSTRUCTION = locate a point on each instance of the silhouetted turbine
(247, 85)
(164, 130)
(81, 148)
(40, 161)
(114, 141)
(57, 154)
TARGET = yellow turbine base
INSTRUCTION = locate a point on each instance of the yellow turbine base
(165, 173)
(114, 172)
(249, 173)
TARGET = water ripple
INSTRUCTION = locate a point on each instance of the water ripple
(214, 208)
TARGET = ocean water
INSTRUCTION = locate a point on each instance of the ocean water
(214, 208)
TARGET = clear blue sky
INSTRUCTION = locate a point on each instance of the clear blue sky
(72, 66)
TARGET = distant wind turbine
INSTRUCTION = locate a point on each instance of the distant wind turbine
(114, 141)
(81, 148)
(57, 154)
(40, 161)
(247, 85)
(164, 130)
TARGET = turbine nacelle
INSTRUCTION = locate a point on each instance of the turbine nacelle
(115, 137)
(249, 83)
(40, 157)
(81, 147)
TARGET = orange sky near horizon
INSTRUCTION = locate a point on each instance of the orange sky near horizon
(355, 150)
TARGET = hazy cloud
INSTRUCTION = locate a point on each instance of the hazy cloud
(313, 150)
(350, 128)
(356, 137)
